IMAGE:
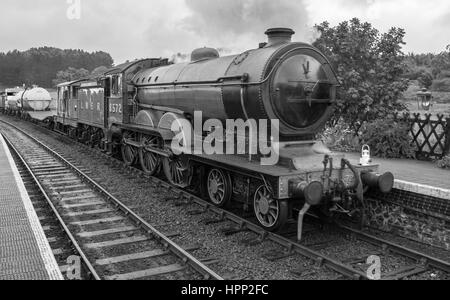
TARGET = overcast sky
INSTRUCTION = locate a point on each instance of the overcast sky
(130, 29)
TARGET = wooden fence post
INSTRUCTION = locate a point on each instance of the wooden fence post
(447, 137)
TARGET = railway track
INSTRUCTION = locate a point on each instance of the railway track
(63, 244)
(112, 241)
(352, 267)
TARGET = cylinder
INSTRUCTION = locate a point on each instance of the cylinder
(384, 183)
(311, 192)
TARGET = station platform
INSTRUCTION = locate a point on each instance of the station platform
(25, 253)
(415, 176)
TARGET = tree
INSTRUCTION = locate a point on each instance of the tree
(99, 71)
(425, 79)
(40, 65)
(441, 63)
(369, 65)
(70, 74)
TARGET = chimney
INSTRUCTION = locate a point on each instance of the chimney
(279, 36)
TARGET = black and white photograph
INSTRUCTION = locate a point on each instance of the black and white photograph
(221, 148)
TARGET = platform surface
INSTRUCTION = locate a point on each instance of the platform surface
(407, 171)
(25, 253)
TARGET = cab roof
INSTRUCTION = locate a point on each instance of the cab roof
(69, 83)
(125, 66)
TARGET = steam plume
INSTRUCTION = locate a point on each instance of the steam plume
(240, 24)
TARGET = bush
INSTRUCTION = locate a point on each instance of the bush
(388, 138)
(444, 163)
(340, 138)
(414, 72)
(444, 74)
(442, 85)
(425, 80)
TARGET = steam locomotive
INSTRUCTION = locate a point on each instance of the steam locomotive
(143, 109)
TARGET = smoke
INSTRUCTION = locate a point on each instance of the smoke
(180, 58)
(240, 24)
(176, 27)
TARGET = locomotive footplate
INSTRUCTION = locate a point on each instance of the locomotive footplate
(308, 168)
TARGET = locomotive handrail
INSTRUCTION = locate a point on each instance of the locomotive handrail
(313, 82)
(299, 100)
(200, 83)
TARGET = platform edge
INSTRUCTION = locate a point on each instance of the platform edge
(45, 250)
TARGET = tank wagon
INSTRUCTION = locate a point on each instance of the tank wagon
(7, 95)
(146, 111)
(30, 103)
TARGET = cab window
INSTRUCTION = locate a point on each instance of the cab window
(116, 85)
(74, 93)
(66, 95)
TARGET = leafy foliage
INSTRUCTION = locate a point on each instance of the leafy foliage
(369, 65)
(444, 74)
(438, 65)
(444, 163)
(388, 138)
(441, 85)
(340, 138)
(70, 74)
(431, 70)
(441, 63)
(100, 70)
(40, 65)
(425, 79)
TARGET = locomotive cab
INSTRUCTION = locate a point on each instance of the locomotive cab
(68, 107)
